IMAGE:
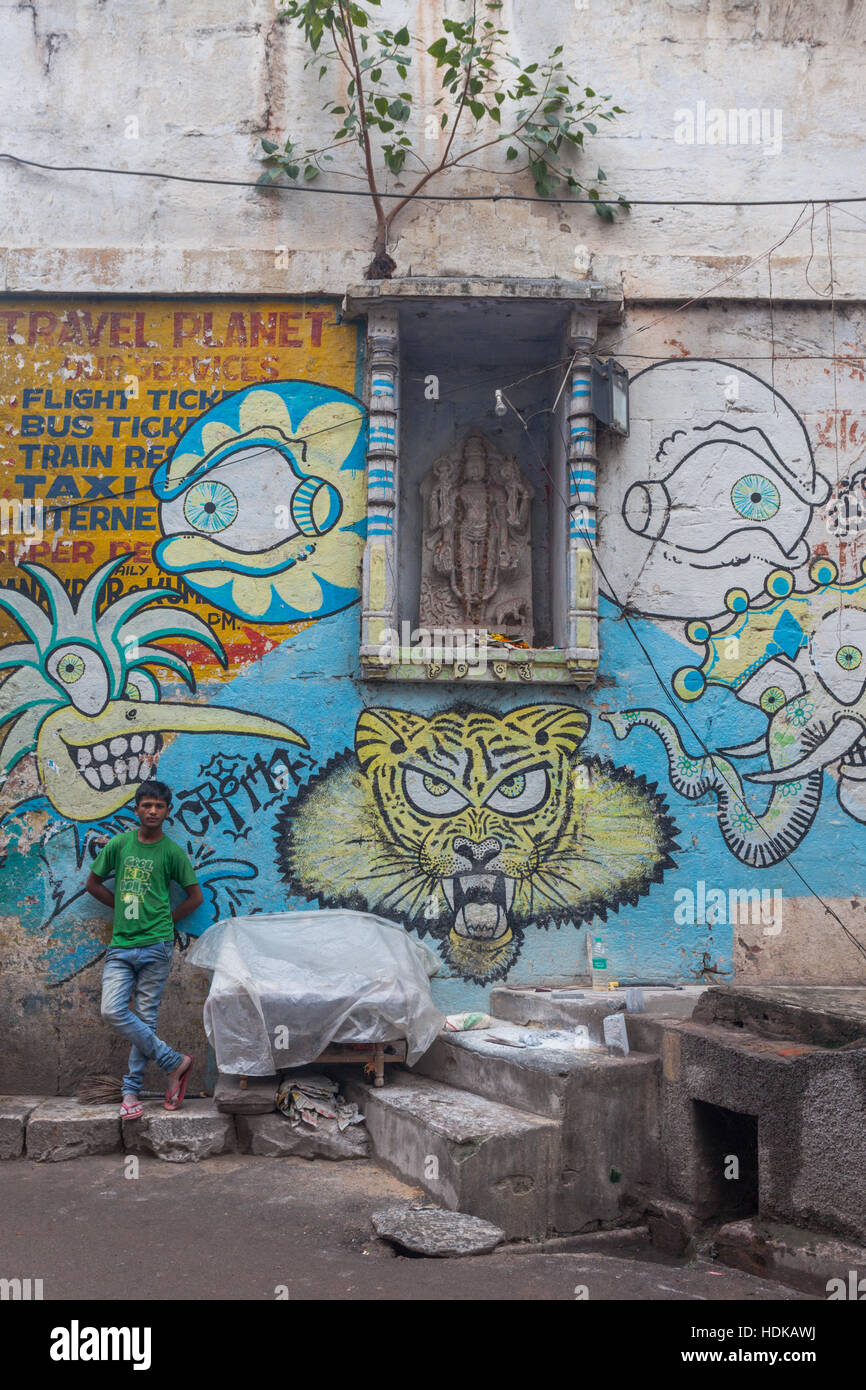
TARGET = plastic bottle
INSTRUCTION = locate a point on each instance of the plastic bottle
(598, 963)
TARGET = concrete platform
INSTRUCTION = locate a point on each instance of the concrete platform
(534, 1079)
(469, 1153)
(802, 1106)
(826, 1015)
(575, 1006)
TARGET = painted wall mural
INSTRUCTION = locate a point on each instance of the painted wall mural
(81, 694)
(468, 826)
(199, 471)
(257, 497)
(715, 487)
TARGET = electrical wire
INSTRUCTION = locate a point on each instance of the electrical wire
(429, 197)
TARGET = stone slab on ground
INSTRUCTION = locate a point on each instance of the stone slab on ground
(196, 1131)
(468, 1153)
(63, 1128)
(14, 1113)
(274, 1136)
(429, 1231)
(258, 1097)
(804, 1260)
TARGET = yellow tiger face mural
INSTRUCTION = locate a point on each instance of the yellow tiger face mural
(469, 825)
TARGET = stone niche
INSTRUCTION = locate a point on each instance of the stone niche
(476, 549)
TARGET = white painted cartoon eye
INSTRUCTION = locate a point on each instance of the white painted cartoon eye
(430, 794)
(521, 793)
(81, 674)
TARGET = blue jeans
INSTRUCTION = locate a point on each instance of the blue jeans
(143, 969)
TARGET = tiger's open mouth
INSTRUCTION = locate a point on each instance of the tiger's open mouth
(480, 903)
(117, 761)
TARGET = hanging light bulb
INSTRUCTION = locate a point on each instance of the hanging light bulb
(500, 407)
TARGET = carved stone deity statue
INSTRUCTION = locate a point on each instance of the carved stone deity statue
(476, 560)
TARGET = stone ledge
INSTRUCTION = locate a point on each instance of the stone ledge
(274, 1137)
(14, 1113)
(62, 1128)
(194, 1132)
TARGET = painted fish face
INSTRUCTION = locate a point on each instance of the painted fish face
(257, 498)
(717, 503)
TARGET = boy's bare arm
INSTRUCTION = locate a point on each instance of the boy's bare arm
(194, 898)
(97, 889)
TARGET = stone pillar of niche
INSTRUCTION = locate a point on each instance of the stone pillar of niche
(582, 577)
(379, 573)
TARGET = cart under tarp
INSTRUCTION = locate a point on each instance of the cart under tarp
(287, 986)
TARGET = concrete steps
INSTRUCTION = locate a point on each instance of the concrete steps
(543, 1140)
(469, 1153)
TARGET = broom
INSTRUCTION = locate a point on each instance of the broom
(101, 1088)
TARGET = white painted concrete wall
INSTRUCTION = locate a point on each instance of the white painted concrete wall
(206, 80)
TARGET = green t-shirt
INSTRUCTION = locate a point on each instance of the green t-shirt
(142, 874)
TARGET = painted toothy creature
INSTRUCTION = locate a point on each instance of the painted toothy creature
(721, 500)
(470, 825)
(80, 695)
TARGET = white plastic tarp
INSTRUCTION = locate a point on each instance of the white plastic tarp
(286, 984)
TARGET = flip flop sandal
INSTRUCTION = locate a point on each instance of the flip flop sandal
(173, 1098)
(131, 1111)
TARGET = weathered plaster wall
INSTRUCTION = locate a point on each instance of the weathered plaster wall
(737, 389)
(199, 84)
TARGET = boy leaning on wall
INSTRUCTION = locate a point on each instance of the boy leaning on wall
(144, 862)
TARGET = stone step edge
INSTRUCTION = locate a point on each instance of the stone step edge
(403, 1076)
(13, 1130)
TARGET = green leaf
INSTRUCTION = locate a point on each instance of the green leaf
(386, 125)
(604, 211)
(477, 108)
(402, 37)
(375, 75)
(601, 176)
(438, 49)
(444, 121)
(311, 172)
(293, 170)
(511, 152)
(269, 146)
(381, 105)
(401, 68)
(593, 129)
(495, 114)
